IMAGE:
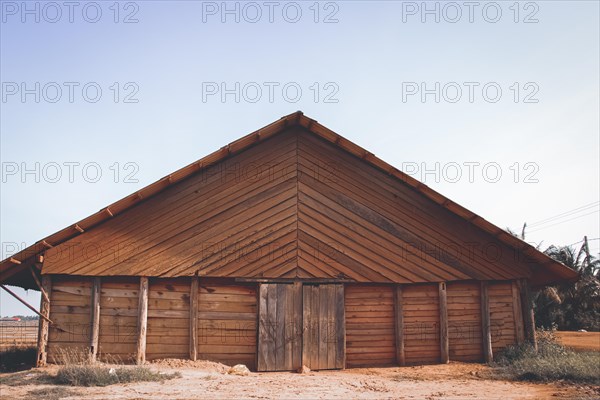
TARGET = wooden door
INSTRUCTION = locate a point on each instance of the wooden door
(301, 325)
(323, 343)
(280, 327)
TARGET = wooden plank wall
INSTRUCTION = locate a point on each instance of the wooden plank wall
(464, 321)
(360, 222)
(70, 312)
(227, 325)
(237, 218)
(370, 335)
(502, 317)
(324, 333)
(118, 318)
(168, 318)
(420, 305)
(228, 321)
(280, 327)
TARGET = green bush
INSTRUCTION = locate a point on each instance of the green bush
(551, 362)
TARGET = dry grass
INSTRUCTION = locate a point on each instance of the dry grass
(77, 370)
(51, 393)
(552, 362)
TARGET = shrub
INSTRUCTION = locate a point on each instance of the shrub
(98, 375)
(551, 362)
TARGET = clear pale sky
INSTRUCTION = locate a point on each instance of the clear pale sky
(369, 63)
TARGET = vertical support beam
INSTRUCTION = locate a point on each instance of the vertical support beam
(263, 334)
(488, 355)
(341, 327)
(517, 313)
(399, 326)
(44, 325)
(444, 344)
(527, 310)
(194, 319)
(95, 318)
(142, 321)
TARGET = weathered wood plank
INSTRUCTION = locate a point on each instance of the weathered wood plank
(263, 335)
(194, 319)
(518, 313)
(142, 325)
(297, 324)
(340, 319)
(95, 318)
(271, 326)
(485, 323)
(323, 325)
(399, 326)
(281, 347)
(43, 328)
(444, 344)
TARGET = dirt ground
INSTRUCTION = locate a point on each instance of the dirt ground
(206, 380)
(582, 341)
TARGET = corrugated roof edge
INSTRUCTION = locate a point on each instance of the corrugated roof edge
(15, 264)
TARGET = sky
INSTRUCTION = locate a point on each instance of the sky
(493, 104)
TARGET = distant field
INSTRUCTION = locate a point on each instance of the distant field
(580, 340)
(20, 333)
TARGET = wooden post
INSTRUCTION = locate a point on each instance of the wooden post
(194, 319)
(341, 322)
(488, 355)
(399, 326)
(44, 325)
(142, 321)
(263, 333)
(95, 318)
(527, 310)
(444, 344)
(517, 313)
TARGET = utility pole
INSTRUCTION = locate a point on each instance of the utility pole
(586, 248)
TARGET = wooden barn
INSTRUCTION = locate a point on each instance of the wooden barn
(290, 246)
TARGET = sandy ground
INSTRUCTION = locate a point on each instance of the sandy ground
(582, 341)
(204, 380)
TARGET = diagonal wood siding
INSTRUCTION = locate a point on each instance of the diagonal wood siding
(292, 206)
(357, 221)
(236, 218)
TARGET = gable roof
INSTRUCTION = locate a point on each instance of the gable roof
(15, 269)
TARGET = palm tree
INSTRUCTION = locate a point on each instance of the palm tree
(571, 306)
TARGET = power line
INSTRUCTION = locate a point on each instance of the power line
(565, 214)
(562, 222)
(589, 240)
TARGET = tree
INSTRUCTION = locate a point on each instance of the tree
(572, 305)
